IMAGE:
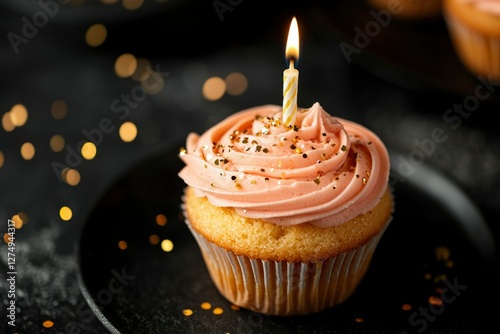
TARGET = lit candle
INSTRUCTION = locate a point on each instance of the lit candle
(291, 76)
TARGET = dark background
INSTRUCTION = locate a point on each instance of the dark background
(400, 85)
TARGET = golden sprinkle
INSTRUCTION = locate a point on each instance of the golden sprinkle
(433, 300)
(161, 219)
(206, 305)
(442, 253)
(187, 312)
(182, 151)
(218, 311)
(122, 245)
(154, 239)
(48, 324)
(406, 307)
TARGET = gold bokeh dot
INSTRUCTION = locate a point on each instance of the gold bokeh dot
(218, 311)
(18, 115)
(125, 65)
(214, 88)
(132, 4)
(236, 83)
(167, 245)
(7, 124)
(89, 150)
(128, 131)
(96, 35)
(2, 159)
(70, 176)
(7, 238)
(141, 68)
(206, 305)
(57, 143)
(59, 109)
(122, 245)
(65, 213)
(154, 239)
(27, 151)
(161, 219)
(109, 2)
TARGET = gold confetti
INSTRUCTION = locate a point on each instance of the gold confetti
(48, 324)
(218, 311)
(206, 305)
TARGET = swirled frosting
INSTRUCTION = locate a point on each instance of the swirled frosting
(490, 6)
(324, 171)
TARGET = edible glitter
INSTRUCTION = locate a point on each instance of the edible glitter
(48, 324)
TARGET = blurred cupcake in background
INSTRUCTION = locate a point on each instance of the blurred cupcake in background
(410, 9)
(474, 27)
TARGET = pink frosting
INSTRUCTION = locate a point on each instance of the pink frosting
(490, 6)
(325, 171)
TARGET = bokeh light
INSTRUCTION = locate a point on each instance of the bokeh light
(132, 4)
(125, 65)
(128, 131)
(236, 83)
(27, 151)
(89, 150)
(59, 109)
(18, 115)
(57, 143)
(214, 88)
(65, 213)
(167, 245)
(96, 35)
(70, 176)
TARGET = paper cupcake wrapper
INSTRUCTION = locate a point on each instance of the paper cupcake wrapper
(479, 52)
(284, 288)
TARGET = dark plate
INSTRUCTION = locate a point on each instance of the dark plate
(144, 289)
(415, 54)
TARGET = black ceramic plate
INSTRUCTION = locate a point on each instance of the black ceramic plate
(415, 54)
(437, 248)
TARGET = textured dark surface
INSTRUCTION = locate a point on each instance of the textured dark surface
(400, 85)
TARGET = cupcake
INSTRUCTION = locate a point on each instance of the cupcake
(474, 27)
(287, 218)
(409, 9)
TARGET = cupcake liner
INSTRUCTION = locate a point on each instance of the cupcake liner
(479, 52)
(285, 288)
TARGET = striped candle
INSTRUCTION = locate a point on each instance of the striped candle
(291, 76)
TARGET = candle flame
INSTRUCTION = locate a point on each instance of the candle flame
(292, 43)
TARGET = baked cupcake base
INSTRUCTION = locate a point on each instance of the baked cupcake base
(283, 286)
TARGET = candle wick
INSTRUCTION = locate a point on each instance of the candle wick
(291, 64)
